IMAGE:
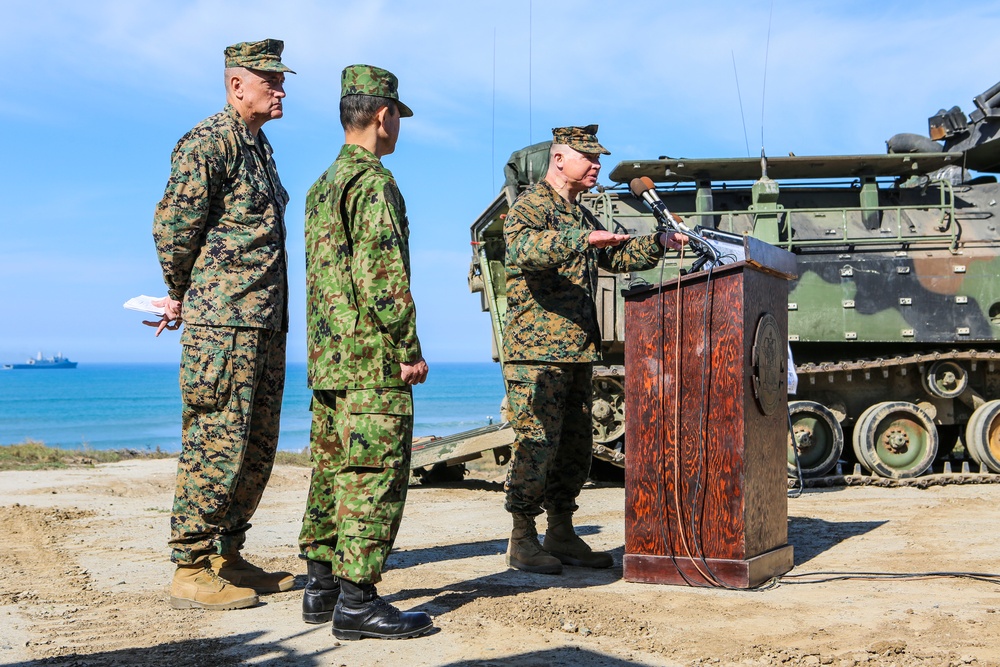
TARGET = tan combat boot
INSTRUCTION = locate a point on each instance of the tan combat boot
(562, 542)
(239, 572)
(196, 586)
(525, 553)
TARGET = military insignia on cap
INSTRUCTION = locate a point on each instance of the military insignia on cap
(264, 55)
(581, 138)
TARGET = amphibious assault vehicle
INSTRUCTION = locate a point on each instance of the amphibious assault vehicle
(894, 318)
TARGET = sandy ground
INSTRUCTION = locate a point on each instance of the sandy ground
(84, 571)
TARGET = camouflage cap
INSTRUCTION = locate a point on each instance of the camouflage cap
(264, 55)
(583, 139)
(371, 80)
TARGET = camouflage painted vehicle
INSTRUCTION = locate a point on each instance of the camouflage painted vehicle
(894, 319)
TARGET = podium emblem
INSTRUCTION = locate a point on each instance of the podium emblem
(768, 364)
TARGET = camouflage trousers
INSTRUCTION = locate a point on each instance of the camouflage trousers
(232, 379)
(360, 444)
(550, 404)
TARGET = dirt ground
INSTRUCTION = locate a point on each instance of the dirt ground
(84, 572)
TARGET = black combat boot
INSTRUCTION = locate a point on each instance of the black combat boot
(321, 593)
(360, 612)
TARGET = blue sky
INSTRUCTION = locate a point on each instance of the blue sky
(96, 94)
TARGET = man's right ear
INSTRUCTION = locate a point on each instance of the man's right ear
(236, 86)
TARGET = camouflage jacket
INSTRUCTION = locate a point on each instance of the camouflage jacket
(552, 277)
(220, 230)
(360, 317)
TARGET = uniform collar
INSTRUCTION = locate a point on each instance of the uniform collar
(360, 154)
(241, 126)
(561, 204)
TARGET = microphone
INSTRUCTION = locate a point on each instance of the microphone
(644, 188)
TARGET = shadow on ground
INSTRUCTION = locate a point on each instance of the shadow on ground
(811, 537)
(439, 553)
(242, 649)
(556, 657)
(233, 650)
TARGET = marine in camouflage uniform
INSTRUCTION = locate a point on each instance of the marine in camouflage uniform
(364, 355)
(551, 339)
(220, 236)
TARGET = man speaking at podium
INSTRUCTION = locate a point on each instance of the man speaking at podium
(551, 340)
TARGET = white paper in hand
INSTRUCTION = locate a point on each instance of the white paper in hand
(144, 304)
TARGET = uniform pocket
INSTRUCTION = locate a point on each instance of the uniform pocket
(206, 366)
(392, 401)
(381, 423)
(369, 529)
(528, 393)
(526, 373)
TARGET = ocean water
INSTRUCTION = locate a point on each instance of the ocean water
(138, 406)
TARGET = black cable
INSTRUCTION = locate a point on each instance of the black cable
(825, 577)
(662, 467)
(699, 498)
(702, 417)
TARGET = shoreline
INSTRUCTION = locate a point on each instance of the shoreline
(138, 406)
(35, 455)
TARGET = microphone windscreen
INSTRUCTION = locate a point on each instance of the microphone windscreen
(648, 182)
(638, 187)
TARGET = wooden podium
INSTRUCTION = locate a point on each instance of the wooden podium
(706, 409)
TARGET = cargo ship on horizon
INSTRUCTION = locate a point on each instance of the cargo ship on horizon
(38, 362)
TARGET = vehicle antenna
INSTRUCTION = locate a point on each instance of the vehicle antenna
(493, 121)
(739, 96)
(763, 91)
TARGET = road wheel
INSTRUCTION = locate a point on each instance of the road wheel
(816, 437)
(982, 435)
(895, 439)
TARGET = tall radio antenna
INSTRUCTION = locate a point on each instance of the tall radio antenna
(493, 120)
(763, 91)
(739, 96)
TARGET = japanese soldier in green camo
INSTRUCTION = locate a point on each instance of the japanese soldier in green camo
(364, 358)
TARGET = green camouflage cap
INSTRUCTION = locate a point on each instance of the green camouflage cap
(371, 80)
(264, 55)
(583, 139)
